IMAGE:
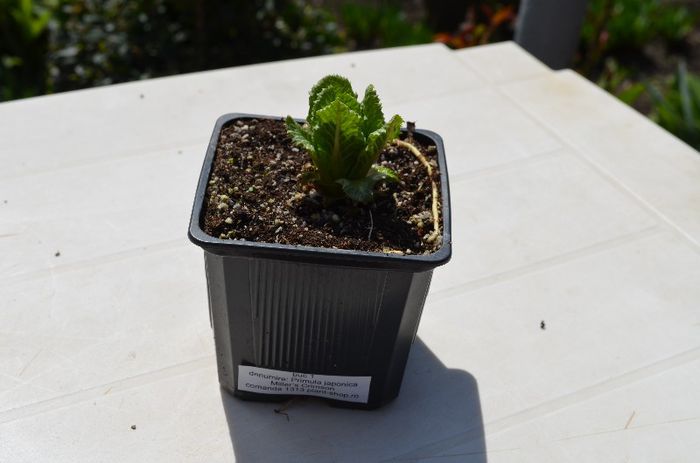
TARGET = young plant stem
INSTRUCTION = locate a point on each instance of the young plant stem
(429, 168)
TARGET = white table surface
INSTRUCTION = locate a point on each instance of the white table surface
(568, 207)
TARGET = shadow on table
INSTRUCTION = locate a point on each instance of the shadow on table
(437, 413)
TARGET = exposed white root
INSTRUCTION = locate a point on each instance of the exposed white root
(429, 168)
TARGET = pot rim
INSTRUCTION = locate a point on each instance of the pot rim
(311, 254)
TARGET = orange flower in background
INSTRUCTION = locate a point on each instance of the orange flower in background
(478, 26)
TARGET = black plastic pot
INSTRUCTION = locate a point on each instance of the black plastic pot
(298, 320)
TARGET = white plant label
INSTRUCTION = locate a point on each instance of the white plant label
(266, 381)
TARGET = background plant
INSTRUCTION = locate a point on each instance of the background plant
(616, 80)
(376, 26)
(677, 106)
(344, 137)
(23, 47)
(97, 42)
(483, 22)
(55, 45)
(632, 48)
(628, 26)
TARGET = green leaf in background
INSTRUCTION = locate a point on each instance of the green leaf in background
(676, 106)
(684, 92)
(631, 93)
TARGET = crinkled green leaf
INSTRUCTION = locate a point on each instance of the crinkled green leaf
(362, 189)
(327, 96)
(337, 138)
(393, 127)
(332, 85)
(300, 135)
(330, 80)
(373, 146)
(372, 115)
(376, 141)
(359, 190)
(382, 173)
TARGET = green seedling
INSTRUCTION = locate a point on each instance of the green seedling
(344, 137)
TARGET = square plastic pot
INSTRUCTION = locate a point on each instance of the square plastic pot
(298, 320)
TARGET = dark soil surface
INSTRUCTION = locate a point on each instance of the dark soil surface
(255, 194)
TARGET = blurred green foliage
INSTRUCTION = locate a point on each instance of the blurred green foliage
(97, 42)
(615, 24)
(56, 45)
(677, 105)
(614, 27)
(616, 80)
(23, 46)
(628, 44)
(384, 25)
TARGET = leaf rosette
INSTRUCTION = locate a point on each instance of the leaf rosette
(344, 137)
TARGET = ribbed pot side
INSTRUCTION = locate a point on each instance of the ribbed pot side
(313, 318)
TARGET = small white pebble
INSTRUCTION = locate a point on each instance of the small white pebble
(296, 150)
(228, 220)
(222, 206)
(279, 229)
